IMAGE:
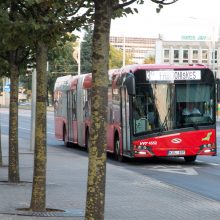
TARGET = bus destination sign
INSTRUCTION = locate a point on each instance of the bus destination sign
(171, 75)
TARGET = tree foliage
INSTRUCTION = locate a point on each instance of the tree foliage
(115, 55)
(149, 60)
(86, 51)
(60, 63)
(116, 58)
(61, 59)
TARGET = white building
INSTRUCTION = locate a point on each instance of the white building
(189, 50)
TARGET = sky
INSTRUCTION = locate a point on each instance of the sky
(185, 17)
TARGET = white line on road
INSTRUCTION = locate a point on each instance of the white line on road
(175, 169)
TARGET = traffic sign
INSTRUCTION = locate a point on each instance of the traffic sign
(7, 87)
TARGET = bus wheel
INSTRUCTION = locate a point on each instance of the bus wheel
(118, 156)
(190, 158)
(87, 140)
(65, 138)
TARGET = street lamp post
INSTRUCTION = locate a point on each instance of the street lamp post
(213, 50)
(79, 57)
(123, 50)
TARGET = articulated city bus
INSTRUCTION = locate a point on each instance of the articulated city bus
(153, 111)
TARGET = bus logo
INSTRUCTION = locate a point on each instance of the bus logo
(207, 138)
(176, 140)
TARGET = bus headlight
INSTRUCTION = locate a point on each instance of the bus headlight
(207, 146)
(142, 147)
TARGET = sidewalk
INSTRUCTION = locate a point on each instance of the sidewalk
(66, 184)
(129, 195)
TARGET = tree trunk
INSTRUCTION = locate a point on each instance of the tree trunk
(97, 152)
(13, 169)
(38, 200)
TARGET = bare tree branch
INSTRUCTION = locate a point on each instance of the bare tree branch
(118, 6)
(164, 2)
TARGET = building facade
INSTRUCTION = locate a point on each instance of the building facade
(186, 50)
(189, 52)
(138, 47)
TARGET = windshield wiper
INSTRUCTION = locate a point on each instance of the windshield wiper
(164, 125)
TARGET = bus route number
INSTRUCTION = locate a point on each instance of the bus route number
(144, 143)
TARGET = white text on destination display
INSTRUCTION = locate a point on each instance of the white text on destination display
(170, 75)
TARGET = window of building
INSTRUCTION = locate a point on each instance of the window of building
(176, 56)
(166, 55)
(204, 56)
(185, 56)
(214, 56)
(195, 56)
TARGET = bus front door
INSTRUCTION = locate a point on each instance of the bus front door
(126, 146)
(69, 116)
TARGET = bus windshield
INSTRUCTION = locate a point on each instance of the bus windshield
(163, 107)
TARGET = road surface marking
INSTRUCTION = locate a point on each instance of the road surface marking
(175, 169)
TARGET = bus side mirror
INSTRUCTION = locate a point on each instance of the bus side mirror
(218, 89)
(130, 84)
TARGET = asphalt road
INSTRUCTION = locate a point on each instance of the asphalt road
(201, 177)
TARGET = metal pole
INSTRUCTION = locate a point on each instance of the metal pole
(33, 109)
(213, 50)
(79, 58)
(123, 51)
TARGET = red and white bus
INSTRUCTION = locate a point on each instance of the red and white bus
(147, 114)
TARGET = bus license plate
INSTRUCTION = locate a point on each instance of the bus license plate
(176, 152)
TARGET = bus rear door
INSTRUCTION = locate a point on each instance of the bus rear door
(125, 122)
(69, 116)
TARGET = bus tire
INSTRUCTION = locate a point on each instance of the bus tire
(190, 159)
(118, 155)
(65, 138)
(88, 143)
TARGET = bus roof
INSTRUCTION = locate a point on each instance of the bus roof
(73, 82)
(62, 83)
(135, 67)
(70, 82)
